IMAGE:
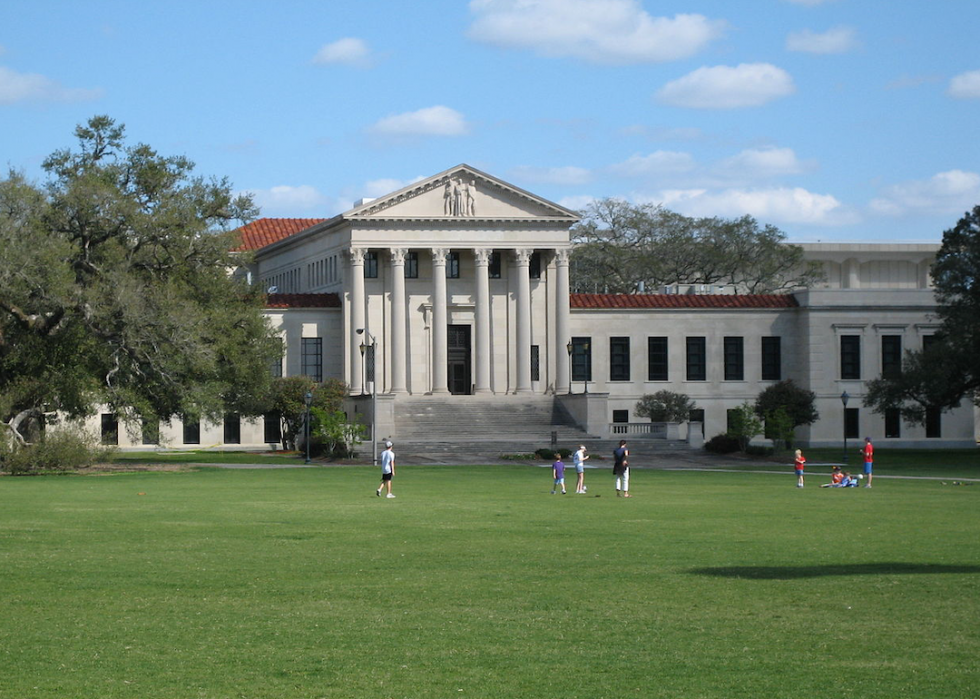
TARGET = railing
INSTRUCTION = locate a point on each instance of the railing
(655, 430)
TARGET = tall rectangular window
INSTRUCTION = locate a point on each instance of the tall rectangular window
(619, 359)
(534, 267)
(452, 265)
(772, 359)
(850, 357)
(893, 423)
(150, 431)
(312, 358)
(581, 359)
(271, 428)
(411, 265)
(371, 265)
(697, 369)
(233, 429)
(891, 356)
(110, 429)
(535, 363)
(192, 430)
(657, 359)
(852, 423)
(275, 365)
(934, 423)
(493, 270)
(734, 359)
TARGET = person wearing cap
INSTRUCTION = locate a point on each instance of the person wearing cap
(387, 470)
(579, 460)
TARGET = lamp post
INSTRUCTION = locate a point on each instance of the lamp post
(843, 399)
(363, 348)
(308, 399)
(369, 338)
(569, 348)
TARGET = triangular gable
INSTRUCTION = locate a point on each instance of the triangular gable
(462, 193)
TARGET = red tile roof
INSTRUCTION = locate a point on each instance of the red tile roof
(709, 301)
(266, 231)
(302, 301)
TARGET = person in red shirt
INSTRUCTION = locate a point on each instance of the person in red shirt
(800, 465)
(868, 451)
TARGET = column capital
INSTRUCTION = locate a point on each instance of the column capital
(522, 256)
(439, 255)
(356, 255)
(397, 255)
(562, 256)
(482, 256)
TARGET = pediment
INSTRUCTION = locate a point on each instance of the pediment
(460, 194)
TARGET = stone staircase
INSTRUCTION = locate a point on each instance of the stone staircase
(477, 430)
(468, 419)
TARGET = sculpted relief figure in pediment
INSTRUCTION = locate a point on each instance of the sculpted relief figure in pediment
(459, 197)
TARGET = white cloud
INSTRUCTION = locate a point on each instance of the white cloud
(385, 186)
(31, 87)
(603, 31)
(568, 175)
(950, 192)
(576, 203)
(836, 40)
(349, 51)
(430, 121)
(725, 87)
(288, 200)
(762, 163)
(965, 85)
(658, 163)
(778, 205)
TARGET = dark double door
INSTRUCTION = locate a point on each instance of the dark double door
(459, 357)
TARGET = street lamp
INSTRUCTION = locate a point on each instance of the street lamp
(308, 399)
(569, 348)
(363, 348)
(374, 387)
(843, 399)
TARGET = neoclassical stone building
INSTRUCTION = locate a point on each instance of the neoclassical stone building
(456, 288)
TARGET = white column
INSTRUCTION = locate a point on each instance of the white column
(396, 346)
(356, 318)
(440, 383)
(483, 352)
(562, 322)
(523, 347)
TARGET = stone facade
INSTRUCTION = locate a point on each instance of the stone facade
(461, 282)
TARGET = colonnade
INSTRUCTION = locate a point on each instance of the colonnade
(482, 349)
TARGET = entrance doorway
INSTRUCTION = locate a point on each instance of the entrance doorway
(459, 358)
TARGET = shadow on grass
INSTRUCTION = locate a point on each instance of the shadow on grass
(798, 572)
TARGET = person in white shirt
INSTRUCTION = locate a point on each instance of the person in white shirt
(387, 470)
(579, 460)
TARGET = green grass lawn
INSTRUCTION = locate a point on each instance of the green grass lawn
(476, 582)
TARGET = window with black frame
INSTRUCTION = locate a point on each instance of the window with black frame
(772, 361)
(657, 359)
(697, 368)
(581, 359)
(371, 265)
(850, 357)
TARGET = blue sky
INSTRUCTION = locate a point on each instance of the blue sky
(835, 120)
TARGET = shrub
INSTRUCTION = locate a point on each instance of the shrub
(722, 444)
(665, 406)
(549, 454)
(57, 451)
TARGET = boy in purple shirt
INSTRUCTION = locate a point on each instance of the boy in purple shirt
(558, 471)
